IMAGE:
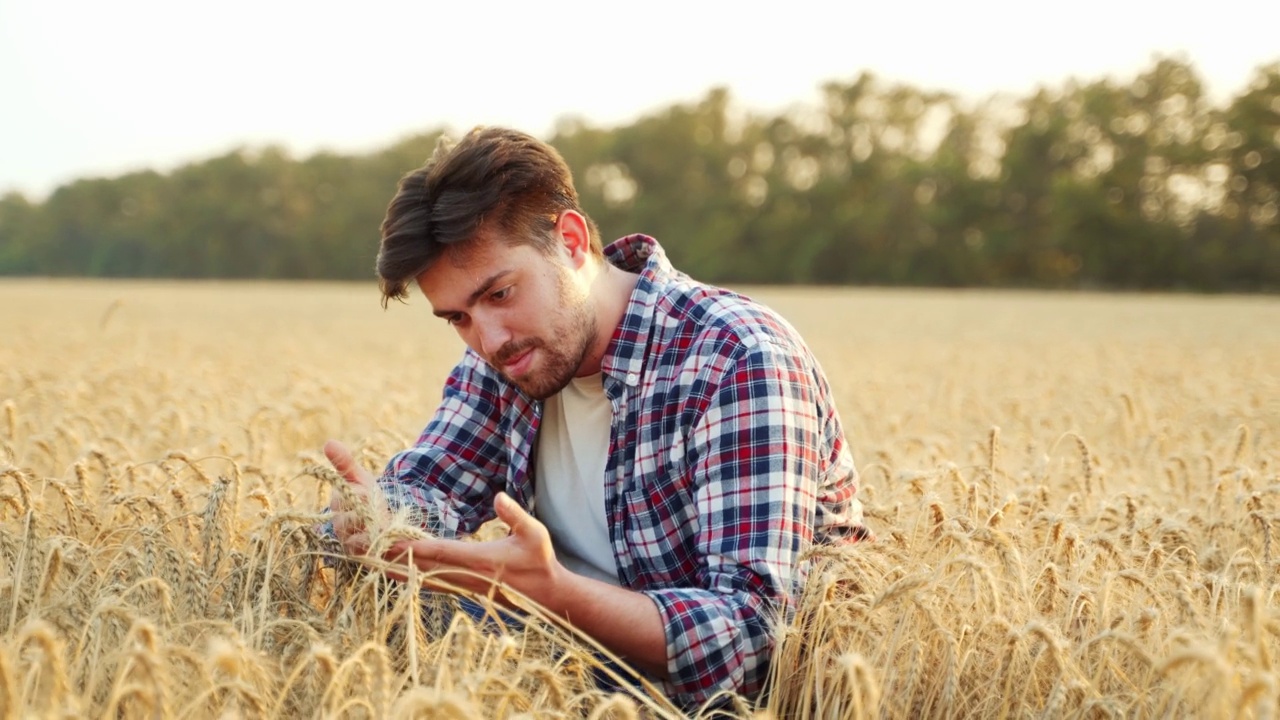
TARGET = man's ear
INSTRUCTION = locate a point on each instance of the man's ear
(571, 227)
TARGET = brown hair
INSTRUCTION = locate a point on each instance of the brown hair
(494, 177)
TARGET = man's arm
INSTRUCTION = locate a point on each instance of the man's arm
(445, 483)
(624, 621)
(754, 458)
(448, 479)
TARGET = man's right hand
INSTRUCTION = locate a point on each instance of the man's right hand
(347, 524)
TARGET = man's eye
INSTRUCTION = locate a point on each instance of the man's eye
(502, 294)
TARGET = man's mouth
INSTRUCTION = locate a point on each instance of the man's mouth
(519, 364)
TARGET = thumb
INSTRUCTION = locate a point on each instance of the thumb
(510, 512)
(342, 461)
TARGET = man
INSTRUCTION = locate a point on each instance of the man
(663, 451)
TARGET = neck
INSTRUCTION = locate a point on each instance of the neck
(611, 291)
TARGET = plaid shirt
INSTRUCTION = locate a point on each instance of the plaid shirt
(726, 461)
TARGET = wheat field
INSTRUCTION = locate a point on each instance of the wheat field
(1075, 497)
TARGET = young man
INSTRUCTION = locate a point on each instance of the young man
(663, 451)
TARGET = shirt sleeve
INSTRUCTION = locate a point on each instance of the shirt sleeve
(754, 460)
(446, 482)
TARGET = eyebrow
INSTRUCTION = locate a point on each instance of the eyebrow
(471, 300)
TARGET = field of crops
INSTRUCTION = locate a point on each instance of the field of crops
(1076, 497)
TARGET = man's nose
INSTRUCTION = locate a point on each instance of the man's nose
(492, 336)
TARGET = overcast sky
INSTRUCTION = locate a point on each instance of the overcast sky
(102, 88)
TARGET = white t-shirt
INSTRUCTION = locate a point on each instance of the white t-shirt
(573, 448)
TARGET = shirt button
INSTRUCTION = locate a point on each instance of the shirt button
(632, 378)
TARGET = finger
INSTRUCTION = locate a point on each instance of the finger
(337, 501)
(524, 527)
(346, 523)
(438, 576)
(395, 575)
(356, 543)
(399, 553)
(338, 496)
(346, 465)
(376, 564)
(516, 517)
(453, 582)
(436, 554)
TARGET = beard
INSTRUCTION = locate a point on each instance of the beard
(573, 333)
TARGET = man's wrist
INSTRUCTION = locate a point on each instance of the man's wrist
(560, 589)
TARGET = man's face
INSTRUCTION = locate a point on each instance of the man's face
(525, 312)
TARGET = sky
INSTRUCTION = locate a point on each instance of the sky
(97, 88)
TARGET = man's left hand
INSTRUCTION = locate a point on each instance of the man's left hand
(524, 560)
(626, 621)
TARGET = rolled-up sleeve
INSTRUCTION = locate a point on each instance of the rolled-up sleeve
(446, 482)
(754, 466)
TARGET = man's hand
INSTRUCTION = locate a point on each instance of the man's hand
(623, 620)
(524, 559)
(347, 523)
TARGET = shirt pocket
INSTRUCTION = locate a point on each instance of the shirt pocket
(660, 527)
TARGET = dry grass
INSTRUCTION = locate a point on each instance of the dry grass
(1076, 498)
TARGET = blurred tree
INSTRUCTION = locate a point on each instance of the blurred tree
(1248, 168)
(18, 235)
(1094, 184)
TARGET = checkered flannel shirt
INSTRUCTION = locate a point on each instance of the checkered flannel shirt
(726, 461)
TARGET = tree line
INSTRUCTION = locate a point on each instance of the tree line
(1093, 184)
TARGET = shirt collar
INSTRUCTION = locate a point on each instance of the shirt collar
(625, 357)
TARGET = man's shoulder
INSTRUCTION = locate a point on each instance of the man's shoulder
(685, 322)
(706, 317)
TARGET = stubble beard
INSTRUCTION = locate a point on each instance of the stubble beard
(572, 339)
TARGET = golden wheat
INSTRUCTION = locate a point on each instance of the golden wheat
(1075, 498)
